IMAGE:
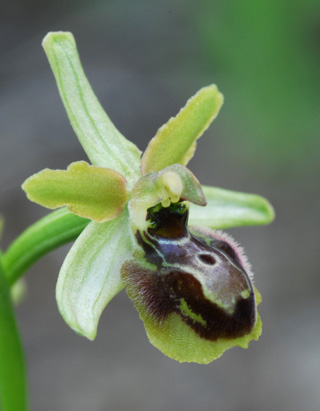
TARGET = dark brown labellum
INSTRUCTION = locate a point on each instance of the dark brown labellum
(198, 274)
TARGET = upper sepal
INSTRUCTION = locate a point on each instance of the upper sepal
(88, 191)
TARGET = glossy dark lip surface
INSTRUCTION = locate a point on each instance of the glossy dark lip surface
(177, 255)
(161, 295)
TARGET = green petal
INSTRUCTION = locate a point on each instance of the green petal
(91, 192)
(227, 208)
(90, 275)
(103, 143)
(175, 141)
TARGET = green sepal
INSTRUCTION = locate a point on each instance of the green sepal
(88, 191)
(226, 208)
(175, 141)
(103, 143)
(90, 275)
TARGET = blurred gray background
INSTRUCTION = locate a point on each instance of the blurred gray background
(144, 60)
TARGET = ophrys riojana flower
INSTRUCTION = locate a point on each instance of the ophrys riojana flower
(151, 229)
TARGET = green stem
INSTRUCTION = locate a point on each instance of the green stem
(13, 386)
(47, 234)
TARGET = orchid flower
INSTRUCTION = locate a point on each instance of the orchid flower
(153, 227)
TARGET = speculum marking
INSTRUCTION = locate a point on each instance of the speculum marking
(185, 266)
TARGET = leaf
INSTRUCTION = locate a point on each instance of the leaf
(103, 143)
(90, 275)
(91, 192)
(226, 208)
(175, 141)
